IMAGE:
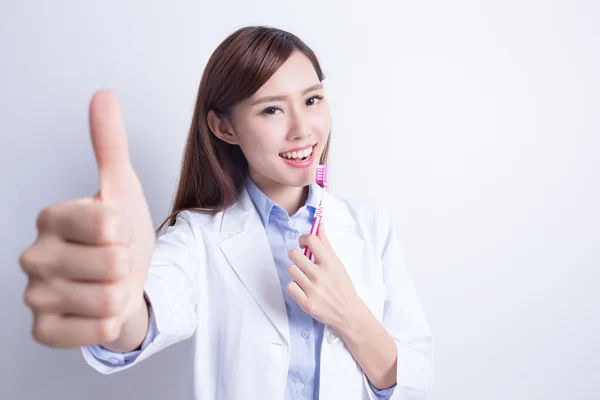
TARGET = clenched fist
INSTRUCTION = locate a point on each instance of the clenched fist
(88, 265)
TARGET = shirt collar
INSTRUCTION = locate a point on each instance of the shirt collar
(267, 207)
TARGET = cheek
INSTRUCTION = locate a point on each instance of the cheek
(257, 143)
(322, 121)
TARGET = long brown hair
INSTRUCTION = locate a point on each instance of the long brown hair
(212, 171)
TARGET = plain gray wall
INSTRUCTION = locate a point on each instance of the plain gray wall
(476, 124)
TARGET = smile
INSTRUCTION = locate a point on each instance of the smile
(299, 155)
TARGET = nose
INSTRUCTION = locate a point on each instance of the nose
(300, 125)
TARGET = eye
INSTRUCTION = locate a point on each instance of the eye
(313, 100)
(270, 110)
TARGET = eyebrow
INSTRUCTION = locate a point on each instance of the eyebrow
(267, 99)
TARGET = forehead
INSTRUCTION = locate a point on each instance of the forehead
(295, 75)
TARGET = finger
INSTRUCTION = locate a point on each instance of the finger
(51, 257)
(297, 294)
(302, 262)
(300, 278)
(323, 235)
(64, 297)
(315, 245)
(109, 140)
(84, 221)
(71, 332)
(94, 263)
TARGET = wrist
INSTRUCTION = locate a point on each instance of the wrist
(133, 330)
(352, 326)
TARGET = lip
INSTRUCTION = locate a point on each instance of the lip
(301, 164)
(298, 148)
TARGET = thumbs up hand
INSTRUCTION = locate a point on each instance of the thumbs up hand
(88, 265)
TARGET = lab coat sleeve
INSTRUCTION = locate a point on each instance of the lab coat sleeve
(170, 289)
(382, 394)
(112, 358)
(405, 321)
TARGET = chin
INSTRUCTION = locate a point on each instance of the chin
(301, 180)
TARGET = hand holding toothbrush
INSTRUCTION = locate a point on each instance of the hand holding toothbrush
(324, 289)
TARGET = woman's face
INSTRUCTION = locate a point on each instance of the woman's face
(288, 114)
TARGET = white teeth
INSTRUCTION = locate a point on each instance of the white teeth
(298, 154)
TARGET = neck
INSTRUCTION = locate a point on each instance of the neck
(290, 198)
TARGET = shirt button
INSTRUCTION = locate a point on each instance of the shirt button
(333, 337)
(113, 361)
(304, 391)
(292, 234)
(305, 333)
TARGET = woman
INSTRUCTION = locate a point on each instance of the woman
(269, 322)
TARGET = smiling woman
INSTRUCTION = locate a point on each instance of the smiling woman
(286, 114)
(269, 322)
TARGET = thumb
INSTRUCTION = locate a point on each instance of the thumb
(109, 140)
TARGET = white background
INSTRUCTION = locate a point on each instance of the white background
(474, 123)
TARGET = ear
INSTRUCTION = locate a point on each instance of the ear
(221, 128)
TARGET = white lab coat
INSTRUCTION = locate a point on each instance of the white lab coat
(214, 275)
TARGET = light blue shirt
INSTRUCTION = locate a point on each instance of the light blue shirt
(306, 333)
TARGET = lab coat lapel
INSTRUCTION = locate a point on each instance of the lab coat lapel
(341, 233)
(245, 246)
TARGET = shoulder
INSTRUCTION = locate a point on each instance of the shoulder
(364, 211)
(195, 223)
(373, 222)
(201, 218)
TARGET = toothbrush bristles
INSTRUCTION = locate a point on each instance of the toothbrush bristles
(321, 178)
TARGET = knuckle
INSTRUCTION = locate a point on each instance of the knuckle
(29, 299)
(111, 300)
(40, 297)
(318, 293)
(40, 330)
(117, 262)
(317, 278)
(99, 224)
(34, 265)
(108, 226)
(37, 333)
(310, 307)
(108, 330)
(26, 260)
(38, 261)
(44, 217)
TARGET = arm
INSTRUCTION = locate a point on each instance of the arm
(399, 351)
(171, 290)
(111, 357)
(372, 347)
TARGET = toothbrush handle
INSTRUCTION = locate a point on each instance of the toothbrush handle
(314, 230)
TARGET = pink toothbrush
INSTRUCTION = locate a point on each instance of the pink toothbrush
(314, 229)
